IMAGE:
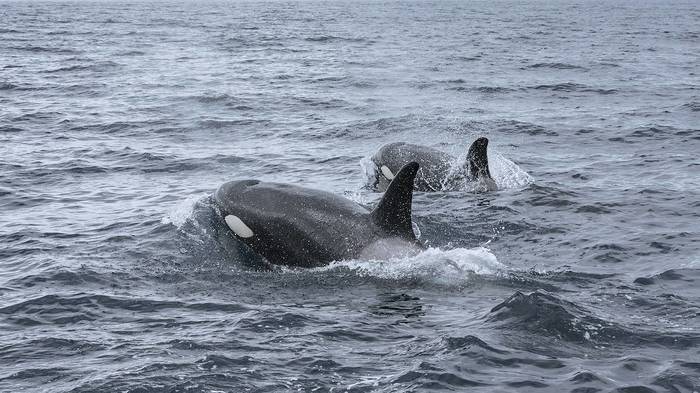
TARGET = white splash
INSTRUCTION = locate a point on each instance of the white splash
(447, 267)
(507, 174)
(179, 214)
(369, 176)
(369, 170)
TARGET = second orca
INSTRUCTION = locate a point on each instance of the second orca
(437, 170)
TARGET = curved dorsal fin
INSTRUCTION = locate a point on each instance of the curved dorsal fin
(393, 214)
(477, 159)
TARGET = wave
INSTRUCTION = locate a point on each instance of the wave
(131, 53)
(573, 87)
(217, 123)
(50, 373)
(125, 160)
(693, 106)
(60, 276)
(102, 66)
(212, 362)
(74, 166)
(493, 89)
(69, 69)
(558, 66)
(37, 49)
(466, 58)
(115, 127)
(332, 38)
(9, 129)
(687, 276)
(561, 87)
(550, 196)
(595, 208)
(652, 131)
(542, 313)
(227, 100)
(329, 78)
(483, 89)
(323, 103)
(436, 380)
(7, 86)
(37, 116)
(49, 347)
(13, 86)
(211, 97)
(74, 308)
(521, 127)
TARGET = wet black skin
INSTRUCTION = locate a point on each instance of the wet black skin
(300, 226)
(436, 170)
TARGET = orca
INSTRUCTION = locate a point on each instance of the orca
(298, 226)
(437, 169)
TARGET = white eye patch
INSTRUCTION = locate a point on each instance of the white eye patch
(238, 226)
(387, 172)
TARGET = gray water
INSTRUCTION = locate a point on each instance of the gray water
(118, 121)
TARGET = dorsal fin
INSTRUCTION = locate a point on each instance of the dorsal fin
(477, 159)
(393, 214)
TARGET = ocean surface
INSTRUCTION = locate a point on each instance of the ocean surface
(118, 120)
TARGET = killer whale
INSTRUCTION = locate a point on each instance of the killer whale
(299, 226)
(436, 167)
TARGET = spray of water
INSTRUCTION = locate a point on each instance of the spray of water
(447, 267)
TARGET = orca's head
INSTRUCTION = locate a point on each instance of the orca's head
(478, 159)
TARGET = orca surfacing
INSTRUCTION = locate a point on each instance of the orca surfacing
(298, 226)
(436, 167)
